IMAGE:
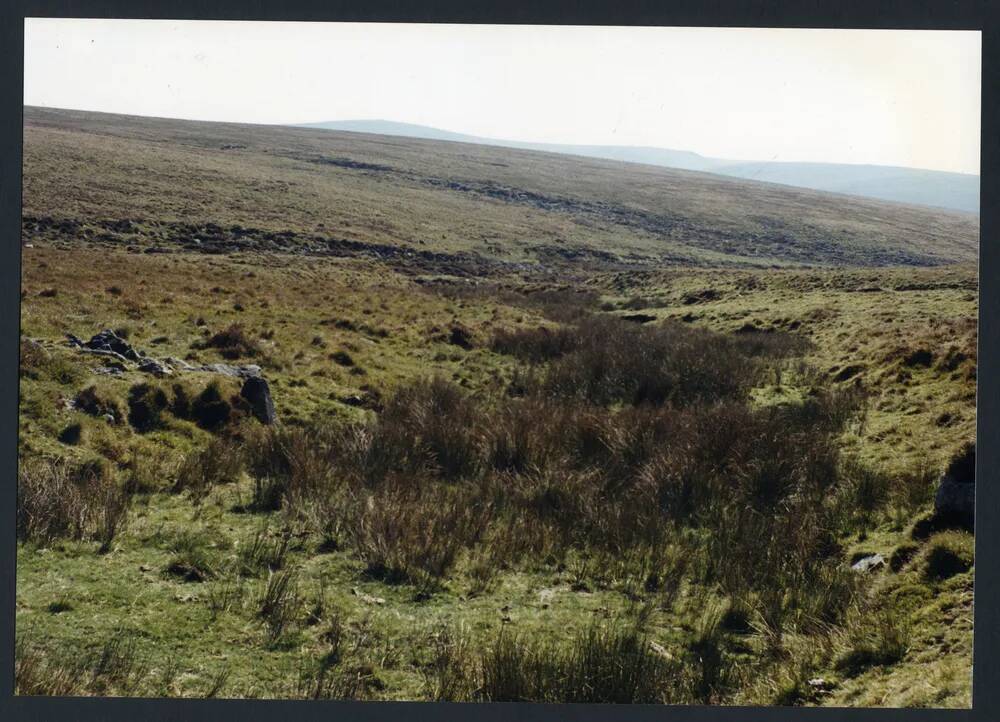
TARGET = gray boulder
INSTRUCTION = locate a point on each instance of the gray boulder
(115, 358)
(157, 368)
(955, 502)
(869, 563)
(108, 340)
(258, 394)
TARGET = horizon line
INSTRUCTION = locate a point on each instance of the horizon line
(484, 140)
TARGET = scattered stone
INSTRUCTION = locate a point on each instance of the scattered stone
(955, 502)
(820, 684)
(108, 340)
(157, 368)
(107, 354)
(258, 394)
(869, 564)
(109, 370)
(110, 418)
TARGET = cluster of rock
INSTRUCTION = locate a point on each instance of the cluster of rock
(121, 356)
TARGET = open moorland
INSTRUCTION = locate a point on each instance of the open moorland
(547, 428)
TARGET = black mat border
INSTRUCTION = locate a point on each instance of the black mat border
(911, 14)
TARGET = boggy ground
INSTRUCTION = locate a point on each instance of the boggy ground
(658, 498)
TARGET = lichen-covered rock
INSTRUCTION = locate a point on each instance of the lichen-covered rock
(869, 563)
(108, 340)
(157, 368)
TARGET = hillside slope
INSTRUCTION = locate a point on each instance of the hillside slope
(319, 189)
(955, 191)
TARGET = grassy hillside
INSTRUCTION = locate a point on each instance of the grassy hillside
(508, 205)
(528, 438)
(955, 191)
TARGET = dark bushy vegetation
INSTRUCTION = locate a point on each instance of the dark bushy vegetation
(209, 409)
(628, 439)
(146, 406)
(947, 554)
(233, 342)
(605, 361)
(97, 402)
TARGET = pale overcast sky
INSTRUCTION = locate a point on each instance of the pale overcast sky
(909, 98)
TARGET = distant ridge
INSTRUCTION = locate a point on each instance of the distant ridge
(955, 191)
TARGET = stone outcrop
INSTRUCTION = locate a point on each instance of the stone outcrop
(955, 502)
(258, 394)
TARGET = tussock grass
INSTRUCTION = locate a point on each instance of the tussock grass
(604, 664)
(279, 603)
(879, 639)
(116, 668)
(263, 552)
(220, 462)
(56, 499)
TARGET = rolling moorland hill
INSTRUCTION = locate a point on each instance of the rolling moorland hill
(335, 192)
(957, 191)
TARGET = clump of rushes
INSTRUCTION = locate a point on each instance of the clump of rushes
(56, 499)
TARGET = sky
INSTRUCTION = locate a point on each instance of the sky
(886, 97)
